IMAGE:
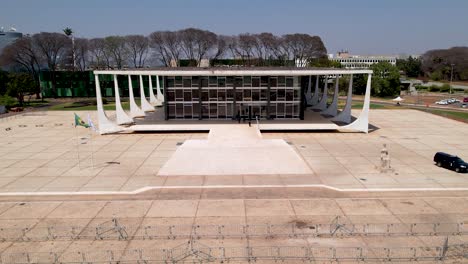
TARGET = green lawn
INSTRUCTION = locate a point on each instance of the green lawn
(450, 114)
(77, 107)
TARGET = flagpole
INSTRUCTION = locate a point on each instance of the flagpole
(77, 149)
(91, 142)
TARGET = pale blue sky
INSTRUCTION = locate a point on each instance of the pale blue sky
(361, 26)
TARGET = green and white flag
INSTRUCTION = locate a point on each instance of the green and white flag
(80, 122)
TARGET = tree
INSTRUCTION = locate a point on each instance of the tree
(20, 84)
(196, 43)
(99, 57)
(303, 47)
(411, 66)
(81, 54)
(69, 33)
(166, 46)
(24, 55)
(52, 48)
(116, 48)
(138, 46)
(385, 79)
(438, 63)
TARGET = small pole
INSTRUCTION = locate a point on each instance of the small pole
(78, 149)
(91, 144)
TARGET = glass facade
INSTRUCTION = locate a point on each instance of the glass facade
(226, 97)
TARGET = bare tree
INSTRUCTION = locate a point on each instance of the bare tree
(303, 47)
(138, 46)
(52, 48)
(99, 57)
(22, 53)
(81, 53)
(166, 46)
(116, 48)
(221, 47)
(196, 43)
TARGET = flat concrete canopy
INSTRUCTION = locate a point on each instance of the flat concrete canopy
(234, 150)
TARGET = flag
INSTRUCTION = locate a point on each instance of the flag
(79, 121)
(91, 124)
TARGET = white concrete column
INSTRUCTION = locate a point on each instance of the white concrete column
(135, 111)
(121, 116)
(315, 97)
(104, 124)
(332, 109)
(153, 100)
(361, 124)
(159, 94)
(309, 91)
(345, 115)
(145, 105)
(322, 104)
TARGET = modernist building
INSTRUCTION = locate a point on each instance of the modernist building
(360, 61)
(273, 94)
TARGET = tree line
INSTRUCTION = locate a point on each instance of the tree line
(438, 65)
(61, 51)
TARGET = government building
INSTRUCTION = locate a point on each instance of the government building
(278, 97)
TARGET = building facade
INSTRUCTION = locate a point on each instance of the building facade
(275, 93)
(360, 61)
(225, 97)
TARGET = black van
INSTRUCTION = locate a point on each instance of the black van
(450, 162)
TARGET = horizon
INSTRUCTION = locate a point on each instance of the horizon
(362, 27)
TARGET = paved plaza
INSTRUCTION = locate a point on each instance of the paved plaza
(341, 208)
(45, 153)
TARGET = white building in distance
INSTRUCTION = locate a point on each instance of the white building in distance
(360, 61)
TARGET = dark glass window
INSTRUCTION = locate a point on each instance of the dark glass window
(170, 95)
(222, 111)
(179, 109)
(187, 82)
(196, 110)
(255, 81)
(281, 81)
(221, 82)
(172, 110)
(273, 95)
(296, 95)
(230, 93)
(195, 94)
(213, 109)
(178, 81)
(204, 82)
(230, 81)
(289, 81)
(187, 110)
(195, 80)
(170, 82)
(187, 95)
(264, 81)
(213, 95)
(273, 82)
(247, 94)
(204, 95)
(179, 94)
(213, 81)
(238, 82)
(221, 95)
(281, 93)
(247, 81)
(263, 94)
(289, 95)
(205, 112)
(239, 95)
(255, 95)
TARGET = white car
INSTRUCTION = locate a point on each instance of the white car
(442, 102)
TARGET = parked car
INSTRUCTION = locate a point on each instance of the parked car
(465, 100)
(442, 102)
(448, 161)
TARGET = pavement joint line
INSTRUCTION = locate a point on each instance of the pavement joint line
(148, 188)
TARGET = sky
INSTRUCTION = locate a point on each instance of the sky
(366, 27)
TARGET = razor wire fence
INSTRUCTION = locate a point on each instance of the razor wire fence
(196, 252)
(115, 230)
